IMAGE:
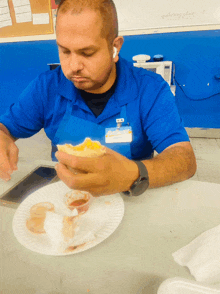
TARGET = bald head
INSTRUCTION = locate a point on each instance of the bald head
(107, 11)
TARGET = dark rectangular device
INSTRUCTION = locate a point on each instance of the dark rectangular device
(39, 177)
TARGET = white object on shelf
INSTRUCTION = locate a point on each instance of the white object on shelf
(163, 68)
(141, 58)
(184, 286)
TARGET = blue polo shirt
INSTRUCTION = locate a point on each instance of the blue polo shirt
(151, 108)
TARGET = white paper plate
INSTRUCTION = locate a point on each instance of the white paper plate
(105, 214)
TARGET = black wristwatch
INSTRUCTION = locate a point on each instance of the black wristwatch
(141, 184)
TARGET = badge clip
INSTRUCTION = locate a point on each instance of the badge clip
(119, 122)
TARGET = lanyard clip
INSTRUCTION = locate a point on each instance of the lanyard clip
(119, 122)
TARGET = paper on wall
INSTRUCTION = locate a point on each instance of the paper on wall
(23, 17)
(4, 10)
(22, 10)
(5, 17)
(3, 3)
(20, 2)
(41, 18)
(5, 23)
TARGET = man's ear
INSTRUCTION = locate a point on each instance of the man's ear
(118, 42)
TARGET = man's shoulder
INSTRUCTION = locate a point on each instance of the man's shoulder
(140, 75)
(145, 82)
(53, 77)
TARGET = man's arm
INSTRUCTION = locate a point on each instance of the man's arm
(8, 153)
(176, 163)
(113, 173)
(6, 131)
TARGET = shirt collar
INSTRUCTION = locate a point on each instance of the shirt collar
(67, 88)
(126, 89)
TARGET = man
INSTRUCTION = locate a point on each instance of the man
(97, 91)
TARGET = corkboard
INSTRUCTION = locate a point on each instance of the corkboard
(28, 28)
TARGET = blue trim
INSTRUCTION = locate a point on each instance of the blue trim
(195, 54)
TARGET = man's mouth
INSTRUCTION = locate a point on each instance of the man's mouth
(78, 79)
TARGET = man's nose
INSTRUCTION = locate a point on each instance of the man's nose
(76, 64)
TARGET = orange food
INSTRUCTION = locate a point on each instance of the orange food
(78, 202)
(40, 209)
(69, 227)
(88, 148)
(35, 224)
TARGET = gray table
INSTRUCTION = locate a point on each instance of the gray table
(136, 258)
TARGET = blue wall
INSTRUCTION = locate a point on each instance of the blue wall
(196, 56)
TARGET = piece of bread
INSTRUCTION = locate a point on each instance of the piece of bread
(88, 148)
(35, 223)
(40, 209)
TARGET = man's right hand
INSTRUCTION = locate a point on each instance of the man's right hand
(8, 156)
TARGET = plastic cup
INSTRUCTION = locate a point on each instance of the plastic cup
(80, 200)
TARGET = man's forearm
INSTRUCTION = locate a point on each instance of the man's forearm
(6, 131)
(176, 163)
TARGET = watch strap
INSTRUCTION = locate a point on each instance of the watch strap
(141, 184)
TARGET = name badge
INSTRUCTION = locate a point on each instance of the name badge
(118, 135)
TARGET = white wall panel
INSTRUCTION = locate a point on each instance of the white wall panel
(154, 14)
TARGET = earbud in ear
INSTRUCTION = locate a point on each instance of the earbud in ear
(115, 52)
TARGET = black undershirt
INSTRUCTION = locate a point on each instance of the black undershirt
(97, 102)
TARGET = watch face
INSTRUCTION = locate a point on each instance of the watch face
(141, 184)
(140, 187)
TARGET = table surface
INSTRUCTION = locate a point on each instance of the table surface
(136, 258)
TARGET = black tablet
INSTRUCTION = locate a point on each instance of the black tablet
(39, 177)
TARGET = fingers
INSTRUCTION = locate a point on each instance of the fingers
(8, 162)
(85, 164)
(5, 176)
(13, 156)
(5, 166)
(114, 153)
(84, 182)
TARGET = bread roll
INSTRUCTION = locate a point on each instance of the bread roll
(88, 148)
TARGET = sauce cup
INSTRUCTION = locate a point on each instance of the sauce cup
(80, 200)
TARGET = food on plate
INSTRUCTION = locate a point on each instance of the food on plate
(60, 229)
(73, 248)
(80, 200)
(108, 203)
(40, 209)
(35, 223)
(88, 148)
(62, 225)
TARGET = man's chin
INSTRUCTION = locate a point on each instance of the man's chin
(86, 86)
(81, 85)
